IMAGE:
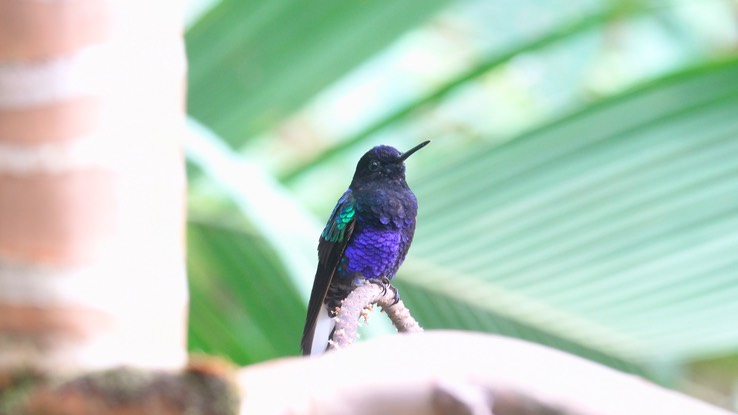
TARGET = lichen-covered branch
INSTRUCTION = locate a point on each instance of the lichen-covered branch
(399, 314)
(206, 387)
(355, 306)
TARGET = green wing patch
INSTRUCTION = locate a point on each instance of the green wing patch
(343, 214)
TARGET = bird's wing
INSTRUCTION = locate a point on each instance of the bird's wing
(332, 243)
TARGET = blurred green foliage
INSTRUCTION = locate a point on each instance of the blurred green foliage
(580, 190)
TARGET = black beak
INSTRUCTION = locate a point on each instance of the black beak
(414, 149)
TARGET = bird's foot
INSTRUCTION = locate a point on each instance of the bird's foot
(396, 294)
(385, 284)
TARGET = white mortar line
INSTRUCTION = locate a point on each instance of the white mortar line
(92, 70)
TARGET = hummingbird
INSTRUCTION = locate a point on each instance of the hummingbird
(365, 240)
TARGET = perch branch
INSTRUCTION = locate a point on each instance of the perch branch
(355, 306)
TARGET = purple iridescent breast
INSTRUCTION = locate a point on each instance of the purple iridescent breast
(374, 253)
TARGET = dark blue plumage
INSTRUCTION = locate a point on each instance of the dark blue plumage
(366, 238)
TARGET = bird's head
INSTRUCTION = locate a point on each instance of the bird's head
(383, 163)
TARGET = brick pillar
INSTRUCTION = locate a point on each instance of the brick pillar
(92, 184)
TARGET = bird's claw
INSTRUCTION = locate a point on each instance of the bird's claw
(396, 294)
(385, 284)
(382, 283)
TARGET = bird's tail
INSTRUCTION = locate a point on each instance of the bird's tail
(324, 326)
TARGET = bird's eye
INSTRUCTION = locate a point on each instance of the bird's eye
(374, 165)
